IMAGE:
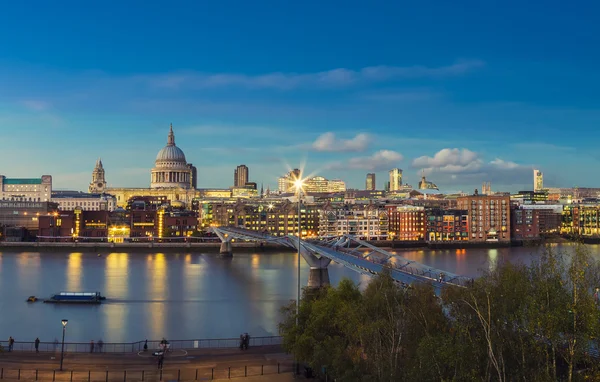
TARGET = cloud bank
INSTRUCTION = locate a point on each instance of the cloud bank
(338, 77)
(463, 166)
(329, 142)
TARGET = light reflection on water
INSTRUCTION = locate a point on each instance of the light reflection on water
(181, 296)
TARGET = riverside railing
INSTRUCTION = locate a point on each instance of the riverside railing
(150, 374)
(130, 347)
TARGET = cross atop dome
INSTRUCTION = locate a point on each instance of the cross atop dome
(171, 140)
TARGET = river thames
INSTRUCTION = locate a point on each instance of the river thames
(179, 296)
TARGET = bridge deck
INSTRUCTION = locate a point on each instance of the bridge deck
(357, 255)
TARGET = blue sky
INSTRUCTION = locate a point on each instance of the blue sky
(467, 91)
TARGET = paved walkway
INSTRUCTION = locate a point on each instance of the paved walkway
(195, 364)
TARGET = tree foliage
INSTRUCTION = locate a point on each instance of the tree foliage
(536, 322)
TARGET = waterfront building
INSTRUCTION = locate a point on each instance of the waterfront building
(406, 222)
(279, 219)
(26, 189)
(538, 180)
(370, 184)
(395, 180)
(585, 219)
(489, 217)
(240, 176)
(369, 222)
(447, 225)
(25, 215)
(529, 222)
(69, 200)
(171, 176)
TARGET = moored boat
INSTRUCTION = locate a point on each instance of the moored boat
(76, 298)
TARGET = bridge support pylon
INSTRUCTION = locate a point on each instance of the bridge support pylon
(318, 277)
(226, 249)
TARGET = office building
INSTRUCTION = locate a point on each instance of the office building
(240, 176)
(26, 189)
(395, 180)
(538, 180)
(370, 184)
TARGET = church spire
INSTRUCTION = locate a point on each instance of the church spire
(171, 140)
(99, 163)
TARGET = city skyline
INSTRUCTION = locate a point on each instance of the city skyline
(433, 88)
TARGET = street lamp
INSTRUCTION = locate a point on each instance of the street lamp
(62, 349)
(299, 183)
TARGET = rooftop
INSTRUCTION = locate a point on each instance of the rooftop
(22, 181)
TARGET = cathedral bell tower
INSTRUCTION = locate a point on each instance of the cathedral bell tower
(98, 184)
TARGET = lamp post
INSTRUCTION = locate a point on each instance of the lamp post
(62, 349)
(298, 183)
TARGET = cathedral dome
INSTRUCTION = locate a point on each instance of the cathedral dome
(171, 153)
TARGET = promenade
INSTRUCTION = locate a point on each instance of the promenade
(263, 363)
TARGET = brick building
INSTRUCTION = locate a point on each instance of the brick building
(447, 225)
(489, 217)
(406, 223)
(535, 221)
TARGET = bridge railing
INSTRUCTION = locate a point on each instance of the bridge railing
(130, 347)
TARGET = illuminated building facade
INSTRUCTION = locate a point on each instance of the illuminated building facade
(538, 180)
(278, 219)
(370, 184)
(69, 200)
(336, 185)
(447, 225)
(368, 222)
(286, 182)
(407, 223)
(395, 183)
(26, 189)
(25, 214)
(489, 217)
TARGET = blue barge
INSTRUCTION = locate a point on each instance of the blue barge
(76, 298)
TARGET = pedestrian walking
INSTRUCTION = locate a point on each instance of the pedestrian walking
(11, 342)
(100, 345)
(146, 345)
(55, 344)
(92, 346)
(37, 345)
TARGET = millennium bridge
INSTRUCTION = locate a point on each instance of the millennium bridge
(349, 251)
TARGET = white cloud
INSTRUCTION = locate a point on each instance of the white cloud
(328, 142)
(380, 160)
(452, 159)
(338, 77)
(462, 166)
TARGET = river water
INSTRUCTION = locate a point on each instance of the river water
(179, 296)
